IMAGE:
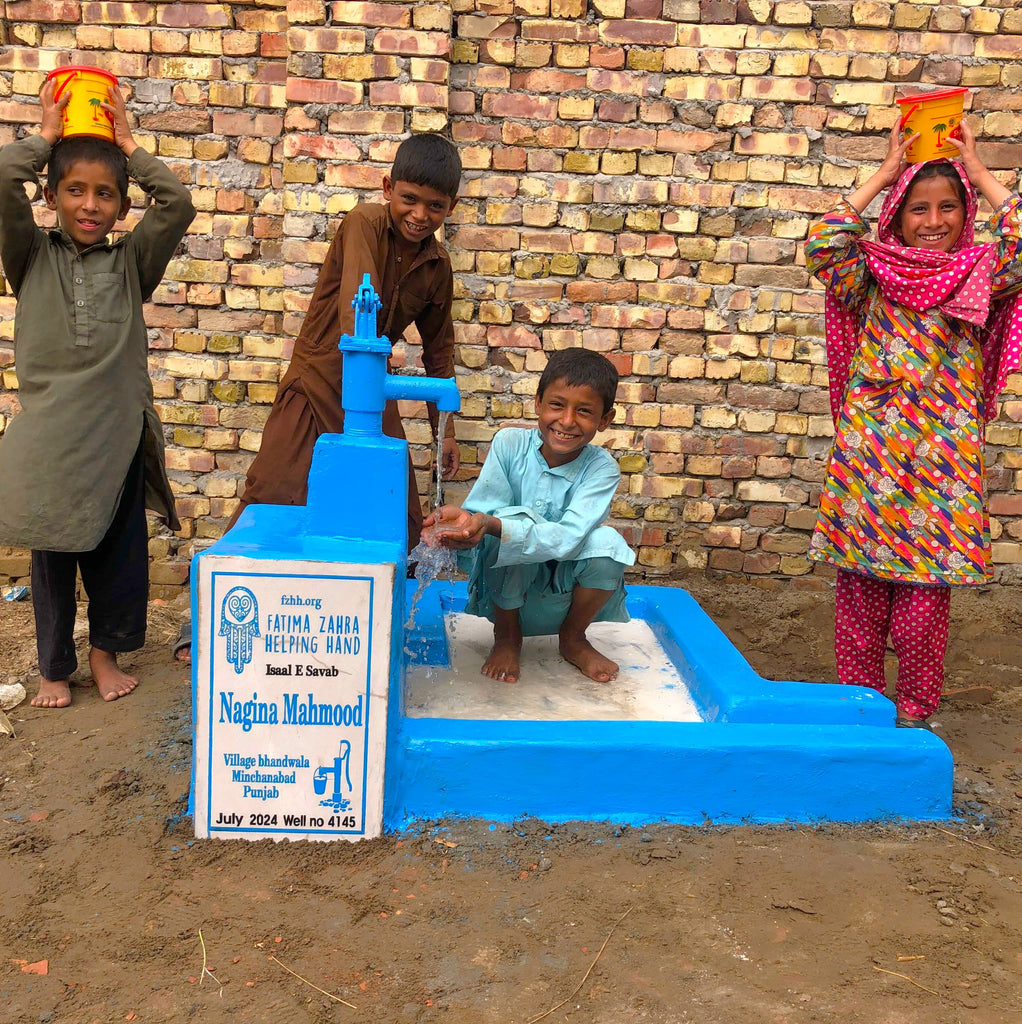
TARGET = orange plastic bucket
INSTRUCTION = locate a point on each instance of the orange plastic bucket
(935, 116)
(88, 87)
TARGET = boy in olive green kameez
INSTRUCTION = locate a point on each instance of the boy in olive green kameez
(84, 458)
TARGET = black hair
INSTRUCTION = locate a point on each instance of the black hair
(581, 367)
(428, 160)
(942, 169)
(92, 150)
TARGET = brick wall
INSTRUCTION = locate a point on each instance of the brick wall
(639, 177)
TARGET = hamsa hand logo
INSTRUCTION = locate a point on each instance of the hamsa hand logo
(239, 623)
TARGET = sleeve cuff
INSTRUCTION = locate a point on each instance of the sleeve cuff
(512, 537)
(1010, 206)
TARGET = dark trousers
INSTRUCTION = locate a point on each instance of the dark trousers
(116, 579)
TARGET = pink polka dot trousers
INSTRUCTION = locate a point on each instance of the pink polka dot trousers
(917, 618)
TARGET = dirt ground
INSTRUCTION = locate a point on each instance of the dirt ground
(467, 922)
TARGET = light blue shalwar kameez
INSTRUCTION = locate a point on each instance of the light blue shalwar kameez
(552, 538)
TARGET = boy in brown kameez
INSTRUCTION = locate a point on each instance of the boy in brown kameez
(394, 244)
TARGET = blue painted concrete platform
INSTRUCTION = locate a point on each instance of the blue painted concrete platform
(765, 751)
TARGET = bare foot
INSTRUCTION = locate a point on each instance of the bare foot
(504, 660)
(183, 645)
(109, 679)
(579, 652)
(53, 693)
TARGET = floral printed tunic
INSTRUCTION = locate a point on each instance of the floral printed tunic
(905, 497)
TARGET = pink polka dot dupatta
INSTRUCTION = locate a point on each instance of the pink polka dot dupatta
(957, 283)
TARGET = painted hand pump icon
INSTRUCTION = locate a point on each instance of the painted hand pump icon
(337, 800)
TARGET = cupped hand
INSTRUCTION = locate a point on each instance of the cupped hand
(441, 523)
(894, 163)
(119, 118)
(964, 141)
(51, 121)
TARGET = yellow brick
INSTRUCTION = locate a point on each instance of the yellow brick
(618, 163)
(577, 108)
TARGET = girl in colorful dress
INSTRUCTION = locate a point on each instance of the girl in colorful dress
(923, 327)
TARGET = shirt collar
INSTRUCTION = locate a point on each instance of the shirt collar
(428, 249)
(58, 235)
(570, 470)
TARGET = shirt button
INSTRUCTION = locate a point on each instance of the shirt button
(80, 303)
(78, 280)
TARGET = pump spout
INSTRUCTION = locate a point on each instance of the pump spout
(442, 391)
(366, 385)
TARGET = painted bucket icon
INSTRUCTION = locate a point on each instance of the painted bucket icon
(936, 116)
(88, 87)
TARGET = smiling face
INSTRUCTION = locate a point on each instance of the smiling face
(88, 202)
(570, 416)
(932, 215)
(416, 210)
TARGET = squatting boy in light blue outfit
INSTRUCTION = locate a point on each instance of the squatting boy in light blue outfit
(543, 563)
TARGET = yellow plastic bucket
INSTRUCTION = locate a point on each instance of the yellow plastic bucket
(935, 116)
(88, 87)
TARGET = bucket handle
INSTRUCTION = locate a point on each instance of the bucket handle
(63, 85)
(908, 114)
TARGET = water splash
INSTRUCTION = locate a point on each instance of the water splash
(432, 562)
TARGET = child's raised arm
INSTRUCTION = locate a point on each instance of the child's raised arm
(886, 174)
(51, 123)
(20, 164)
(987, 185)
(119, 116)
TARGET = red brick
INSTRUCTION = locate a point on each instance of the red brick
(361, 176)
(512, 337)
(117, 13)
(322, 147)
(559, 31)
(619, 111)
(617, 138)
(419, 44)
(745, 396)
(316, 90)
(255, 125)
(555, 136)
(622, 83)
(608, 57)
(273, 44)
(326, 40)
(192, 15)
(363, 122)
(518, 105)
(407, 94)
(601, 291)
(22, 113)
(691, 141)
(471, 237)
(547, 80)
(1006, 504)
(761, 562)
(188, 122)
(653, 9)
(648, 33)
(372, 15)
(43, 10)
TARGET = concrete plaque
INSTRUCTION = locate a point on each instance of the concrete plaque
(292, 673)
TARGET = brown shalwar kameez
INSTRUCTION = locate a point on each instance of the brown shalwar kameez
(415, 285)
